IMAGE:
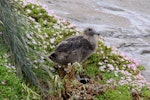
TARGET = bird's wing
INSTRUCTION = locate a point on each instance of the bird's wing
(74, 43)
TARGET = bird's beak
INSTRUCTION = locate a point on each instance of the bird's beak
(97, 33)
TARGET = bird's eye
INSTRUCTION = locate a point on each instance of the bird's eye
(90, 29)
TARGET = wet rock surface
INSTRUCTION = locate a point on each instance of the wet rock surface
(124, 24)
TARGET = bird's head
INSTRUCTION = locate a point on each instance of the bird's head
(90, 32)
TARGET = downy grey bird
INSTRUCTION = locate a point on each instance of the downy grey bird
(76, 49)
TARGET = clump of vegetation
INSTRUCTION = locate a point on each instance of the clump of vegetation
(10, 84)
(110, 73)
(13, 31)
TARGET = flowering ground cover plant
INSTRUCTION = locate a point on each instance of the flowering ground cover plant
(112, 75)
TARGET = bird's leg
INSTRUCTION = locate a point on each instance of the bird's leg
(60, 70)
(70, 71)
(57, 66)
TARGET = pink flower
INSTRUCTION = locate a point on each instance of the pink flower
(148, 87)
(117, 69)
(102, 68)
(72, 25)
(122, 82)
(139, 76)
(57, 17)
(3, 82)
(129, 79)
(110, 80)
(63, 20)
(126, 73)
(132, 66)
(135, 62)
(50, 12)
(110, 67)
(32, 1)
(122, 54)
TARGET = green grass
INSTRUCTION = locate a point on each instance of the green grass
(11, 85)
(120, 93)
(145, 93)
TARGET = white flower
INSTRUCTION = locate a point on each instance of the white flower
(100, 63)
(41, 37)
(13, 67)
(31, 18)
(45, 22)
(3, 82)
(52, 47)
(28, 11)
(42, 57)
(61, 36)
(52, 40)
(45, 46)
(32, 7)
(34, 48)
(116, 73)
(105, 61)
(35, 61)
(39, 30)
(34, 42)
(29, 36)
(40, 14)
(102, 68)
(101, 52)
(46, 35)
(37, 26)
